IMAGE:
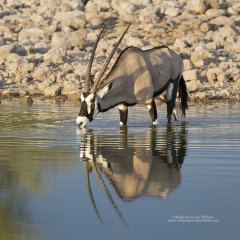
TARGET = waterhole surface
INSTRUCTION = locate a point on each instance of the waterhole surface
(178, 181)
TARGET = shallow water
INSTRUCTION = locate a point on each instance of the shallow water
(60, 182)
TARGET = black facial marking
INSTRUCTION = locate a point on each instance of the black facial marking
(84, 107)
(83, 110)
(85, 94)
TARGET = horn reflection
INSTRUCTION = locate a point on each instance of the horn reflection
(135, 163)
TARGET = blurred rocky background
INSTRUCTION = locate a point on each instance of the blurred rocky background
(45, 44)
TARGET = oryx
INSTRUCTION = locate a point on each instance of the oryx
(138, 76)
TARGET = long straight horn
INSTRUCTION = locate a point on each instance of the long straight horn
(89, 68)
(108, 194)
(89, 189)
(97, 81)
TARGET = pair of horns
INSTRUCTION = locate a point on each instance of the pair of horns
(99, 77)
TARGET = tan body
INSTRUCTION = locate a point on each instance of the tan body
(144, 74)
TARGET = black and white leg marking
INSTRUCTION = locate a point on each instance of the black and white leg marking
(153, 112)
(123, 111)
(171, 97)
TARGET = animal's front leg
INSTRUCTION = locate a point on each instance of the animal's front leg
(123, 111)
(153, 112)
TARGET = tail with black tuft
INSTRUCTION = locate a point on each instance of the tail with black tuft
(183, 95)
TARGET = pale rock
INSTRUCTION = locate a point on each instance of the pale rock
(70, 88)
(200, 56)
(5, 50)
(201, 96)
(53, 55)
(103, 5)
(224, 93)
(13, 57)
(50, 2)
(211, 76)
(52, 91)
(222, 20)
(180, 44)
(33, 35)
(43, 72)
(233, 46)
(43, 85)
(192, 86)
(91, 11)
(74, 19)
(126, 11)
(223, 77)
(196, 6)
(142, 2)
(18, 64)
(215, 4)
(232, 11)
(6, 92)
(23, 92)
(80, 69)
(133, 41)
(227, 31)
(96, 21)
(25, 81)
(212, 46)
(92, 36)
(190, 75)
(213, 13)
(197, 61)
(149, 15)
(61, 40)
(205, 27)
(236, 7)
(71, 77)
(65, 7)
(172, 11)
(187, 64)
(32, 89)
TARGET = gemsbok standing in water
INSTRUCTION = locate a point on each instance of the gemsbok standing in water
(138, 76)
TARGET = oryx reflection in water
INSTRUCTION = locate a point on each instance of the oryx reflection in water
(137, 164)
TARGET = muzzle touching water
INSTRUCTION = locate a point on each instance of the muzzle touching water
(87, 109)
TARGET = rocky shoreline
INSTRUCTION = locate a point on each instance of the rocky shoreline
(45, 44)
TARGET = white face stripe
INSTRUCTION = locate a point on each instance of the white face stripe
(88, 100)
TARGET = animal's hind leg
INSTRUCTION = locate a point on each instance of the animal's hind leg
(171, 98)
(164, 99)
(153, 112)
(123, 111)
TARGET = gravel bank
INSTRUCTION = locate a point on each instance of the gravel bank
(45, 44)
